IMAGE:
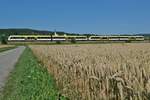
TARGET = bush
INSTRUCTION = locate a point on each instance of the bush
(58, 42)
(3, 40)
(128, 41)
(73, 41)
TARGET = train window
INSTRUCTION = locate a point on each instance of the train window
(132, 37)
(31, 38)
(58, 37)
(44, 37)
(95, 37)
(70, 37)
(17, 38)
(139, 38)
(104, 37)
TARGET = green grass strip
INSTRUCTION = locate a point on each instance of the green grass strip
(7, 48)
(30, 81)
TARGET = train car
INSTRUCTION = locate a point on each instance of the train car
(131, 38)
(69, 38)
(28, 37)
(77, 38)
(137, 38)
(58, 38)
(98, 38)
(43, 38)
(16, 38)
(81, 38)
(116, 38)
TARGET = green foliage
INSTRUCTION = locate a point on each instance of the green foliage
(6, 48)
(3, 39)
(128, 41)
(30, 81)
(30, 31)
(58, 42)
(73, 41)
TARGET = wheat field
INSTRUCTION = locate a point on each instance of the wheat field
(3, 46)
(99, 71)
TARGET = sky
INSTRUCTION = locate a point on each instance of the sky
(77, 16)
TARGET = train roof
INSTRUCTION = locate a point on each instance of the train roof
(46, 36)
(72, 36)
(116, 36)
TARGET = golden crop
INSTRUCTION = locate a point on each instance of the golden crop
(99, 71)
(3, 46)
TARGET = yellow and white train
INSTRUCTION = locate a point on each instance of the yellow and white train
(70, 37)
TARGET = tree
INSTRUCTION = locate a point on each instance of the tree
(3, 39)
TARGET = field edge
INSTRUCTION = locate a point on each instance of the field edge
(29, 80)
(7, 48)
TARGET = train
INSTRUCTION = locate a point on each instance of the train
(24, 38)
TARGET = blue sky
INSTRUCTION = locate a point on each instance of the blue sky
(80, 16)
